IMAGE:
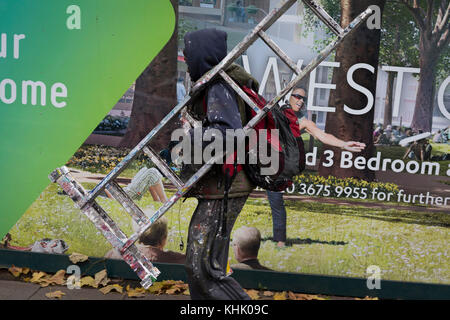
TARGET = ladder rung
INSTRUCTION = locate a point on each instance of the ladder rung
(239, 91)
(291, 64)
(133, 210)
(133, 153)
(194, 123)
(325, 17)
(162, 165)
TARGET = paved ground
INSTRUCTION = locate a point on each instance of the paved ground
(13, 289)
(17, 290)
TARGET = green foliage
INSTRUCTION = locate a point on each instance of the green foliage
(185, 26)
(312, 23)
(395, 50)
(251, 9)
(102, 159)
(399, 37)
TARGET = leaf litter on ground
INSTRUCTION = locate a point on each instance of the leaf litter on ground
(78, 257)
(55, 294)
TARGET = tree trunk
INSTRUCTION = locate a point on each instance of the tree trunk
(388, 104)
(423, 110)
(390, 86)
(155, 95)
(433, 38)
(360, 47)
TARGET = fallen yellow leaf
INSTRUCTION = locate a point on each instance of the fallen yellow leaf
(170, 283)
(37, 276)
(268, 293)
(111, 287)
(309, 297)
(173, 290)
(55, 294)
(58, 277)
(279, 296)
(253, 294)
(186, 292)
(44, 282)
(370, 298)
(135, 293)
(88, 281)
(156, 288)
(78, 257)
(101, 278)
(292, 296)
(15, 271)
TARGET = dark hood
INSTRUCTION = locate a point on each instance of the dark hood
(203, 50)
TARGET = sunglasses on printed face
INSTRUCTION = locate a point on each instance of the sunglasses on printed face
(299, 97)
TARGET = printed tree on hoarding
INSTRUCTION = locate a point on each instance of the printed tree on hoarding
(360, 47)
(398, 47)
(399, 38)
(155, 95)
(432, 20)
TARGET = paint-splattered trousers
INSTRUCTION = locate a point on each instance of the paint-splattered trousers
(207, 251)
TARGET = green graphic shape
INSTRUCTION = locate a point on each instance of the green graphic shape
(96, 63)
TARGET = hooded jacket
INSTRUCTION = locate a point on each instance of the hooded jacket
(217, 106)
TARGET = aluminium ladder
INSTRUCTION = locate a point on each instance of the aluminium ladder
(85, 200)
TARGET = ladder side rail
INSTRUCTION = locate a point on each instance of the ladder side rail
(141, 266)
(179, 194)
(239, 91)
(161, 164)
(324, 16)
(133, 257)
(98, 216)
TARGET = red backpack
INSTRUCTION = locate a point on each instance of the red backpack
(288, 145)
